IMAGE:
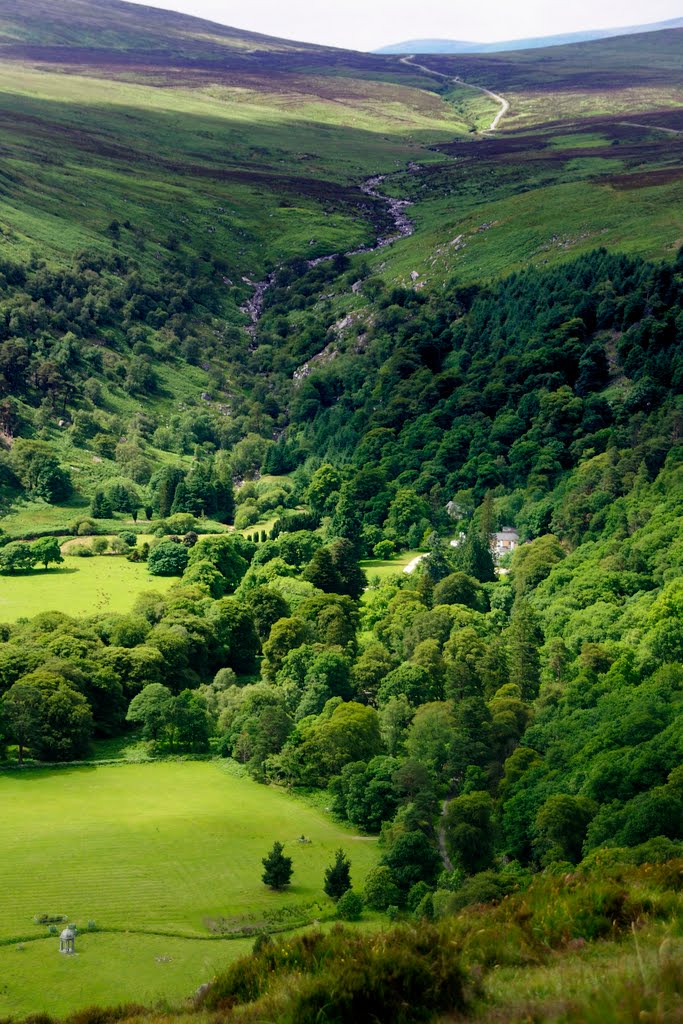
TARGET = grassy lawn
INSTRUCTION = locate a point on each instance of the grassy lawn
(152, 853)
(81, 586)
(108, 969)
(385, 568)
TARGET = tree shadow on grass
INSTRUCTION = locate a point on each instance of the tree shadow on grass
(52, 572)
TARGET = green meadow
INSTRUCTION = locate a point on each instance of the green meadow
(80, 586)
(541, 227)
(165, 860)
(385, 568)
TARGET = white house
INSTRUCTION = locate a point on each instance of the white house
(504, 541)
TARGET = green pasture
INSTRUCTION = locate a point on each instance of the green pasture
(29, 519)
(155, 855)
(108, 968)
(80, 586)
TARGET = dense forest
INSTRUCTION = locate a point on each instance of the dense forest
(487, 723)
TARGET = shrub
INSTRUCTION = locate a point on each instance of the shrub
(261, 942)
(416, 895)
(399, 977)
(80, 551)
(380, 889)
(425, 908)
(181, 522)
(129, 538)
(350, 906)
(84, 528)
(167, 559)
(49, 919)
(486, 887)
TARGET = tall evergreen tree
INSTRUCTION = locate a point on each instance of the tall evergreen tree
(338, 876)
(474, 558)
(277, 868)
(345, 560)
(524, 638)
(100, 507)
(322, 572)
(167, 487)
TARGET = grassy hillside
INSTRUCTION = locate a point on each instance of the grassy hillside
(83, 585)
(550, 953)
(124, 26)
(603, 79)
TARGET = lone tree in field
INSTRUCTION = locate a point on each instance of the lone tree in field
(278, 868)
(47, 550)
(338, 876)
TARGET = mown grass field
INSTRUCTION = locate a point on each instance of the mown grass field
(153, 853)
(384, 568)
(80, 586)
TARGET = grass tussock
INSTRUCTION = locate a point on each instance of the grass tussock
(407, 974)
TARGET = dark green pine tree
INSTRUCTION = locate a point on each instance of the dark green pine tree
(277, 868)
(338, 876)
(180, 501)
(474, 558)
(100, 507)
(345, 560)
(347, 522)
(225, 498)
(322, 572)
(437, 564)
(167, 488)
(524, 639)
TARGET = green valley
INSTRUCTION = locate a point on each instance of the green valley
(340, 508)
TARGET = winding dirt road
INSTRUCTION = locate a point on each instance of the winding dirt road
(504, 105)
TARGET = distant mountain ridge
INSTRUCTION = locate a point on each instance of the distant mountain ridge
(538, 42)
